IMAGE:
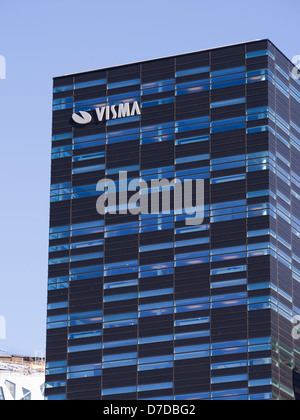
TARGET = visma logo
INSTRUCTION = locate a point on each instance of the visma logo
(2, 67)
(296, 329)
(2, 328)
(108, 112)
(82, 117)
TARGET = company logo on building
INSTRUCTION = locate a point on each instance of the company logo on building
(106, 113)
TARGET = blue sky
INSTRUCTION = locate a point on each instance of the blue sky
(43, 39)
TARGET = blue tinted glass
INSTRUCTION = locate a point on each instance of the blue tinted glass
(154, 247)
(259, 54)
(194, 89)
(228, 71)
(62, 100)
(123, 390)
(123, 343)
(227, 121)
(87, 347)
(192, 71)
(89, 84)
(228, 270)
(116, 298)
(155, 366)
(157, 102)
(191, 140)
(225, 379)
(88, 156)
(119, 356)
(191, 159)
(228, 102)
(228, 179)
(191, 84)
(192, 355)
(191, 121)
(62, 88)
(159, 83)
(165, 385)
(133, 96)
(156, 339)
(85, 169)
(229, 283)
(198, 396)
(228, 84)
(119, 363)
(123, 84)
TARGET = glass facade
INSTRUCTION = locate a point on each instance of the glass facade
(143, 306)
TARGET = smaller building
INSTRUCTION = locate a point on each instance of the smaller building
(21, 378)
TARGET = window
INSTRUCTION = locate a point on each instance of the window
(196, 158)
(84, 371)
(231, 178)
(226, 379)
(123, 390)
(155, 366)
(85, 169)
(26, 394)
(151, 387)
(157, 102)
(90, 84)
(88, 156)
(189, 72)
(191, 140)
(228, 102)
(62, 88)
(11, 387)
(86, 347)
(260, 54)
(157, 87)
(191, 321)
(123, 84)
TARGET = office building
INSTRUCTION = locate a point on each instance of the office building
(146, 306)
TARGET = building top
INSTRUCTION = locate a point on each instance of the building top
(173, 56)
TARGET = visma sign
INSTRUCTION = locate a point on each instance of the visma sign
(106, 113)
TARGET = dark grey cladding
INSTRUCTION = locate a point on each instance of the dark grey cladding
(144, 306)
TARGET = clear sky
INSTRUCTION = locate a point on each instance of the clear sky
(43, 39)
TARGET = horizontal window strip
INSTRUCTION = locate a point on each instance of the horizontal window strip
(228, 102)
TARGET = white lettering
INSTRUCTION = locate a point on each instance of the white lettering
(135, 109)
(108, 112)
(107, 116)
(124, 110)
(100, 113)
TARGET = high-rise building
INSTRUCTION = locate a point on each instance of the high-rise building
(148, 306)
